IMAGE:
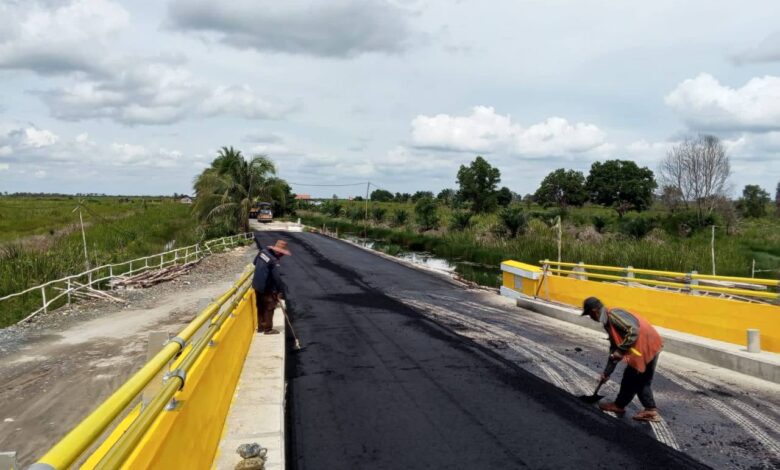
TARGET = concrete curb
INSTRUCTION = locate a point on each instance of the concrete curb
(257, 412)
(764, 365)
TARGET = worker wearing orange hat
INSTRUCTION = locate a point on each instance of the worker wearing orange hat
(268, 284)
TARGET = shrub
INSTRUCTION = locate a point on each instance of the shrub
(378, 213)
(426, 215)
(636, 227)
(600, 223)
(461, 220)
(400, 217)
(355, 213)
(513, 219)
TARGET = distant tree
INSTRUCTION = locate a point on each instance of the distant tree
(504, 197)
(421, 194)
(753, 201)
(621, 184)
(402, 197)
(426, 214)
(335, 197)
(227, 189)
(358, 198)
(446, 196)
(672, 198)
(513, 219)
(725, 208)
(699, 168)
(528, 200)
(284, 200)
(381, 195)
(562, 188)
(478, 183)
(777, 200)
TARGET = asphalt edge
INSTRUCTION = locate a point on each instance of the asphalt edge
(763, 366)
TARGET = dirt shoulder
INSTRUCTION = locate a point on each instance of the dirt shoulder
(55, 370)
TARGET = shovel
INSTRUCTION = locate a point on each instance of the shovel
(595, 397)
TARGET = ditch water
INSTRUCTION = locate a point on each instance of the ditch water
(482, 274)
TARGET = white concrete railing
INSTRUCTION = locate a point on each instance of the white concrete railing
(87, 279)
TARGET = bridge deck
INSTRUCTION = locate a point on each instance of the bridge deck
(380, 385)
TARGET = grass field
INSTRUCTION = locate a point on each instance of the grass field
(40, 239)
(484, 243)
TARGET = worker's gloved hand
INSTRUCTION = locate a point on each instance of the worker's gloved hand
(616, 356)
(603, 378)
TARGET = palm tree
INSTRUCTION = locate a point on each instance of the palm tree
(227, 189)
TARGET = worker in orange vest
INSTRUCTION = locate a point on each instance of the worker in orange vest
(633, 340)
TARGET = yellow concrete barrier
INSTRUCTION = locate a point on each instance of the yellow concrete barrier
(710, 317)
(187, 437)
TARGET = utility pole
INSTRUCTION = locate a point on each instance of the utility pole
(365, 221)
(83, 239)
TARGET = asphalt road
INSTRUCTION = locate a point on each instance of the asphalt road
(383, 384)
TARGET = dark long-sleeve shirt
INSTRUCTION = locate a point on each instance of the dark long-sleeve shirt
(267, 278)
(626, 326)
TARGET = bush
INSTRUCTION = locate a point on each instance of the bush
(636, 227)
(513, 219)
(378, 213)
(460, 220)
(332, 208)
(686, 223)
(600, 223)
(426, 215)
(400, 217)
(355, 213)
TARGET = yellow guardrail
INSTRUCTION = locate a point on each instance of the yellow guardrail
(677, 308)
(82, 437)
(653, 272)
(688, 285)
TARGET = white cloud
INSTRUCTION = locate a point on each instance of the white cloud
(484, 131)
(241, 101)
(40, 174)
(340, 28)
(706, 105)
(4, 166)
(38, 138)
(49, 38)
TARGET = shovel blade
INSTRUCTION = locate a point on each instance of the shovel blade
(591, 398)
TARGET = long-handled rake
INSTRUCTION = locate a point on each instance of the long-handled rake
(297, 345)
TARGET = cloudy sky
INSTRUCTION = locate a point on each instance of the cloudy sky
(136, 97)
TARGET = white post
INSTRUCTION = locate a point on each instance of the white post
(753, 269)
(629, 274)
(68, 291)
(694, 283)
(83, 238)
(580, 268)
(753, 340)
(560, 237)
(161, 261)
(712, 244)
(43, 297)
(110, 271)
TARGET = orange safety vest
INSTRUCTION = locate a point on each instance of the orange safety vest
(648, 344)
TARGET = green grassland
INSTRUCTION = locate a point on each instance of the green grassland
(655, 244)
(40, 238)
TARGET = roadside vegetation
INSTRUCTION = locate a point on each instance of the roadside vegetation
(618, 214)
(46, 243)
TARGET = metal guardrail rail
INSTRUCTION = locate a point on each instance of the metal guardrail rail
(68, 450)
(108, 272)
(690, 281)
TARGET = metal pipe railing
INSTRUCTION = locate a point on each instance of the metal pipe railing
(113, 274)
(125, 445)
(653, 272)
(80, 438)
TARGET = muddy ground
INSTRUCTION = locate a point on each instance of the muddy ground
(55, 370)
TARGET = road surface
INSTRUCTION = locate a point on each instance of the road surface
(381, 383)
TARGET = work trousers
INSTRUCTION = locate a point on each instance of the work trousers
(639, 384)
(266, 303)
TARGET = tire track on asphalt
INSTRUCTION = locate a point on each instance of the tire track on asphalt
(693, 385)
(569, 368)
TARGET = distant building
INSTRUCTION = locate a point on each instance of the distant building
(184, 199)
(303, 197)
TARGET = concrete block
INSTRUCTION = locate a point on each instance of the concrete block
(8, 461)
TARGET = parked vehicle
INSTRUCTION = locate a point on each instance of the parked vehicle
(264, 213)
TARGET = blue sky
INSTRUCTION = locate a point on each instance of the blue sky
(136, 97)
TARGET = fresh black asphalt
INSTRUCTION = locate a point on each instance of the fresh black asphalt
(379, 386)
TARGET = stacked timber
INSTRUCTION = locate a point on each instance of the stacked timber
(150, 278)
